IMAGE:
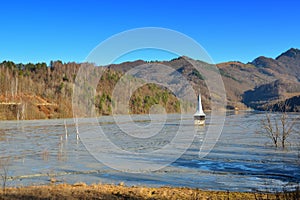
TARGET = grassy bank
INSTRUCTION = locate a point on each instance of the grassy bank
(99, 191)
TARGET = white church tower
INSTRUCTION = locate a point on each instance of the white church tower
(199, 116)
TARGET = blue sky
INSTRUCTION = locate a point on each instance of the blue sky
(40, 31)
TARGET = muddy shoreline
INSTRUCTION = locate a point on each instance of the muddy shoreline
(106, 191)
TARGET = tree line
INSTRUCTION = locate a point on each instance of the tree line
(41, 91)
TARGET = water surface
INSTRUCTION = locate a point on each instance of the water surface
(242, 160)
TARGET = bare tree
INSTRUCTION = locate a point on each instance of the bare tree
(269, 131)
(287, 127)
(278, 129)
(4, 163)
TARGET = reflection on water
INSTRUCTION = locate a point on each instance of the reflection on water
(241, 160)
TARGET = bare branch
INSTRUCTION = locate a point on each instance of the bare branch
(278, 129)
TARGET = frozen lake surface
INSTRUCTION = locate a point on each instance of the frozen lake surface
(241, 160)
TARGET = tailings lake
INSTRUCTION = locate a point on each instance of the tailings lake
(35, 152)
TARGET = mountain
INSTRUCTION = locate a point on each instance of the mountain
(267, 95)
(285, 69)
(238, 78)
(38, 91)
(290, 61)
(285, 66)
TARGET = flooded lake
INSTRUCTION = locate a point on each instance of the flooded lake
(33, 152)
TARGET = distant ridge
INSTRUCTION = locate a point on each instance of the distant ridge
(38, 91)
(291, 53)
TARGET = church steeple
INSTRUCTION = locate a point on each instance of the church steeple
(199, 116)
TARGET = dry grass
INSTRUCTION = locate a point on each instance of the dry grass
(100, 191)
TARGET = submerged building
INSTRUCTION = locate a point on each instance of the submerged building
(199, 116)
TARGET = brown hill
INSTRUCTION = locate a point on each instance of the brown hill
(285, 66)
(31, 91)
(290, 61)
(238, 78)
(288, 105)
(285, 69)
(262, 97)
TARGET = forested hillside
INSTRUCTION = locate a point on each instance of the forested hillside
(41, 91)
(38, 91)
